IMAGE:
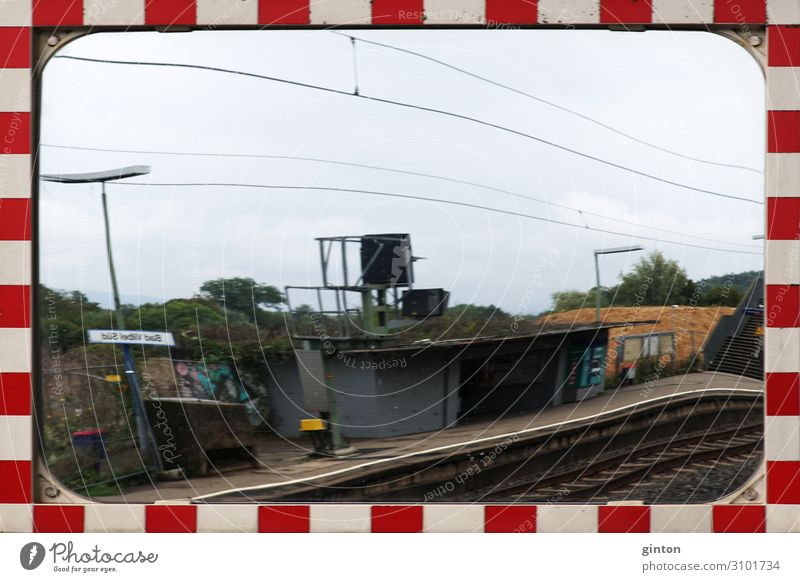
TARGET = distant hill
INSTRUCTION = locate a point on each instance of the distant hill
(740, 281)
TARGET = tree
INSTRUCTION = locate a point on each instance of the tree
(574, 299)
(722, 295)
(242, 294)
(654, 280)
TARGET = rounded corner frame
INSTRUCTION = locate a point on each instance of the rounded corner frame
(29, 29)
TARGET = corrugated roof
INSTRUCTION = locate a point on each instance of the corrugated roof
(487, 340)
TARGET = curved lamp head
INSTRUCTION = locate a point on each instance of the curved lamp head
(105, 176)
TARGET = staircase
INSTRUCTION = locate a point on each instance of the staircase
(742, 353)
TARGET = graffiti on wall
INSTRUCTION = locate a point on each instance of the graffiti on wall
(208, 382)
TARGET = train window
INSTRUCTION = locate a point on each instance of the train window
(423, 266)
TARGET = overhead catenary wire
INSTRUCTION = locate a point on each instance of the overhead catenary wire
(548, 103)
(424, 199)
(425, 109)
(581, 212)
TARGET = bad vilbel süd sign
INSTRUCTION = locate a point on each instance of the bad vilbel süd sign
(150, 338)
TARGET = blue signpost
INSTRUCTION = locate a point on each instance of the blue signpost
(145, 437)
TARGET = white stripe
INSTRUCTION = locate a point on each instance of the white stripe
(222, 12)
(15, 262)
(122, 518)
(783, 518)
(680, 519)
(453, 518)
(340, 519)
(782, 349)
(328, 12)
(783, 88)
(569, 11)
(455, 11)
(16, 436)
(783, 175)
(15, 176)
(782, 265)
(15, 12)
(119, 12)
(566, 518)
(683, 11)
(227, 518)
(15, 350)
(782, 438)
(16, 517)
(783, 11)
(15, 90)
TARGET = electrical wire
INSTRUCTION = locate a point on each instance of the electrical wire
(549, 103)
(424, 199)
(579, 211)
(425, 109)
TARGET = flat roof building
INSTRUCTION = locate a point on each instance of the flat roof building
(433, 385)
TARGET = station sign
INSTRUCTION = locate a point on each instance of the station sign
(147, 338)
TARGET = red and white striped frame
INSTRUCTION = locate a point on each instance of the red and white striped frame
(777, 510)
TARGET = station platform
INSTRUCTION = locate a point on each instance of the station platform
(282, 461)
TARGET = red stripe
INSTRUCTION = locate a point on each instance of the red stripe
(15, 46)
(783, 306)
(783, 394)
(284, 12)
(58, 518)
(626, 11)
(624, 519)
(783, 218)
(783, 46)
(15, 394)
(740, 11)
(396, 518)
(739, 519)
(510, 518)
(15, 305)
(283, 519)
(170, 518)
(15, 219)
(15, 132)
(15, 481)
(57, 12)
(783, 131)
(397, 11)
(170, 12)
(783, 482)
(512, 11)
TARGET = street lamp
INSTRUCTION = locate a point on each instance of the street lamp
(597, 270)
(144, 432)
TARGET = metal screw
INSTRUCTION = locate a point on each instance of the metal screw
(53, 40)
(751, 494)
(754, 40)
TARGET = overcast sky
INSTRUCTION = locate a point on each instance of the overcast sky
(695, 93)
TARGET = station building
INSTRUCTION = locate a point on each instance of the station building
(433, 385)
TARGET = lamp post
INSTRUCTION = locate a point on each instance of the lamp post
(143, 429)
(599, 252)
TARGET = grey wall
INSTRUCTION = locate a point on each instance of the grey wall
(285, 399)
(420, 396)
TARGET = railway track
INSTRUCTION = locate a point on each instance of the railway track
(620, 473)
(580, 460)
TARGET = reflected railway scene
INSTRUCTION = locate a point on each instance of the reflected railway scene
(420, 266)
